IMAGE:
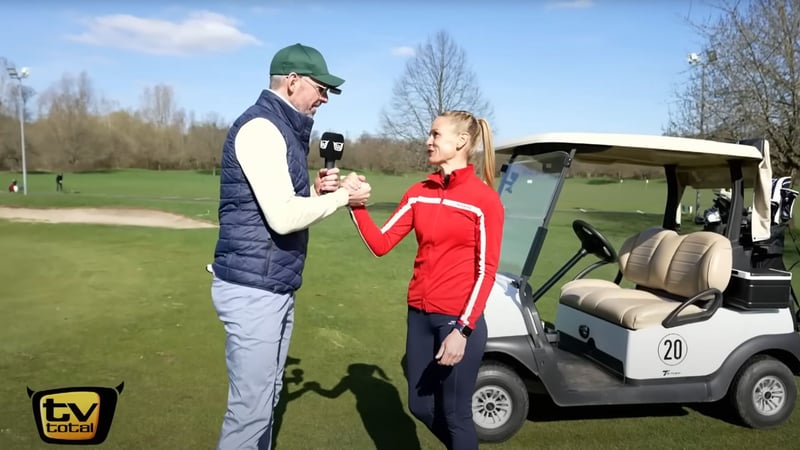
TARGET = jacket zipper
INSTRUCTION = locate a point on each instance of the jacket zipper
(430, 250)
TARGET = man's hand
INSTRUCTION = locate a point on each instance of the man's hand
(327, 180)
(452, 349)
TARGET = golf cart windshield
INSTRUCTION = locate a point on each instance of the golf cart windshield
(699, 163)
(528, 190)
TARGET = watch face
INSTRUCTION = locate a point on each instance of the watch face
(466, 331)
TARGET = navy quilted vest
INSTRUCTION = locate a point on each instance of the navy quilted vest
(248, 251)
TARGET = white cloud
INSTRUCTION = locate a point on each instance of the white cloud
(200, 32)
(404, 51)
(571, 4)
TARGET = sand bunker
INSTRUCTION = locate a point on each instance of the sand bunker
(108, 216)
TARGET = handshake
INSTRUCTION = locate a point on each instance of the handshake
(328, 180)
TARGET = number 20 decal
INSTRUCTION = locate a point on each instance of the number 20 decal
(672, 349)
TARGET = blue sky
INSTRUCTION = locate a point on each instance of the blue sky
(561, 65)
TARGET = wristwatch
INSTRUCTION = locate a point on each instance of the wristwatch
(464, 330)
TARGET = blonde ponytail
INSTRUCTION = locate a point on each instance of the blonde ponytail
(478, 131)
(488, 152)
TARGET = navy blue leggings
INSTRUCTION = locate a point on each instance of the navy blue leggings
(441, 396)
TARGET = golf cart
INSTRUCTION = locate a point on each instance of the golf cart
(689, 317)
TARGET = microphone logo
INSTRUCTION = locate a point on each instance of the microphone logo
(331, 153)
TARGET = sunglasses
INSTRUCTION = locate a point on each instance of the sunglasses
(321, 90)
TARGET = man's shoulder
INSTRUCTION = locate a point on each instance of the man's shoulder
(258, 124)
(260, 109)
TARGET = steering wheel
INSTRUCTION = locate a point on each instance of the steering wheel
(594, 242)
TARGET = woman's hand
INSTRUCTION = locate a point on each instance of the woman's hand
(452, 349)
(358, 188)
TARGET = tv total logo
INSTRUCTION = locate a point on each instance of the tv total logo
(74, 415)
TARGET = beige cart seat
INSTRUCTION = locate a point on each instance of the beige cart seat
(666, 268)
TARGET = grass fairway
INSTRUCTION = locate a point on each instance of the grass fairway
(90, 305)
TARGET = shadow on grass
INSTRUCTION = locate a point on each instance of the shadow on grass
(543, 409)
(720, 410)
(296, 378)
(379, 405)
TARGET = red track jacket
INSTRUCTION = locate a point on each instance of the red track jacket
(458, 222)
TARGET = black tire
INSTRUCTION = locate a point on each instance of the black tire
(499, 403)
(763, 393)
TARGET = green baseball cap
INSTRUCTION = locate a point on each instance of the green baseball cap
(304, 60)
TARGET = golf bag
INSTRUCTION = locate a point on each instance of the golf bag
(767, 253)
(715, 218)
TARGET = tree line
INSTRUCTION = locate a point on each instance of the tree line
(744, 83)
(70, 127)
(745, 80)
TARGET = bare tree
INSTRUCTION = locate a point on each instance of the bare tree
(752, 87)
(205, 139)
(68, 109)
(159, 106)
(436, 79)
(4, 94)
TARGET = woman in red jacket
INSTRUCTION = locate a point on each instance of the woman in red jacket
(458, 221)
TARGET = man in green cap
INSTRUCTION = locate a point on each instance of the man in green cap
(266, 205)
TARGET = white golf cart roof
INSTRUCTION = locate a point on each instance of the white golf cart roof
(638, 149)
(699, 163)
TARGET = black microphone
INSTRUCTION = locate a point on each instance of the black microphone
(331, 147)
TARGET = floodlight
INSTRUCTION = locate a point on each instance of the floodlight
(23, 73)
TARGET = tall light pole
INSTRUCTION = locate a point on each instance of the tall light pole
(695, 59)
(19, 76)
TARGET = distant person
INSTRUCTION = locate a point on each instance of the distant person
(457, 219)
(60, 182)
(267, 202)
(13, 186)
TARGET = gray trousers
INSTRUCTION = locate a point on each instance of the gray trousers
(258, 327)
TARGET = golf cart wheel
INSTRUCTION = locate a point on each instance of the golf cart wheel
(500, 402)
(764, 393)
